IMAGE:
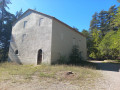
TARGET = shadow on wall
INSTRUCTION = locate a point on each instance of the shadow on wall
(12, 57)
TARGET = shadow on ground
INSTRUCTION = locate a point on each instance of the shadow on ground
(100, 65)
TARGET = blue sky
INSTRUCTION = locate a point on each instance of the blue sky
(77, 13)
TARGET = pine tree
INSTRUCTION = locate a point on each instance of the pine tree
(112, 13)
(5, 29)
(19, 13)
(94, 22)
(118, 1)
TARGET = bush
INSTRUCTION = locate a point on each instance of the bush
(75, 57)
(62, 60)
(110, 45)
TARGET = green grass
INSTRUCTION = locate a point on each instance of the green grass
(22, 73)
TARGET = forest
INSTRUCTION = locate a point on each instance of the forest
(103, 36)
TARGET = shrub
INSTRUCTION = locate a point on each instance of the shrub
(62, 60)
(75, 57)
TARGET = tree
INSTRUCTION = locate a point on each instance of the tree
(111, 16)
(101, 24)
(4, 3)
(19, 13)
(96, 39)
(118, 1)
(89, 41)
(75, 56)
(5, 29)
(76, 28)
(94, 22)
(116, 21)
(85, 32)
(110, 45)
(6, 33)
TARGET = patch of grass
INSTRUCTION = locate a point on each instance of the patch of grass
(15, 72)
(48, 75)
(8, 70)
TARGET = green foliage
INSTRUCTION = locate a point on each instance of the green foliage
(102, 25)
(4, 3)
(94, 22)
(19, 13)
(62, 60)
(5, 29)
(75, 56)
(118, 1)
(112, 12)
(89, 41)
(96, 37)
(86, 33)
(116, 21)
(76, 28)
(110, 45)
(5, 33)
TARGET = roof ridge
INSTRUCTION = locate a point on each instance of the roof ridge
(50, 17)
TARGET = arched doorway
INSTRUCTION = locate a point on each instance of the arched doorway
(39, 57)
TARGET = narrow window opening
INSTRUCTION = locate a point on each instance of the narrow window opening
(39, 57)
(74, 43)
(40, 20)
(16, 52)
(23, 37)
(25, 22)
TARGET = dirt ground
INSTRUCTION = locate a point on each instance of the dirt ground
(46, 84)
(111, 73)
(109, 81)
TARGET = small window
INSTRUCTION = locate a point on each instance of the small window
(74, 43)
(62, 36)
(23, 36)
(25, 22)
(40, 20)
(16, 52)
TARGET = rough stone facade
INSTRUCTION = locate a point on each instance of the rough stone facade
(35, 31)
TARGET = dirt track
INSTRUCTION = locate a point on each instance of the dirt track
(111, 73)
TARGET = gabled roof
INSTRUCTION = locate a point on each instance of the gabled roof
(49, 17)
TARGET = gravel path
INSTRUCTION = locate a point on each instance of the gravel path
(111, 75)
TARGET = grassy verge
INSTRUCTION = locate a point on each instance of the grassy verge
(23, 73)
